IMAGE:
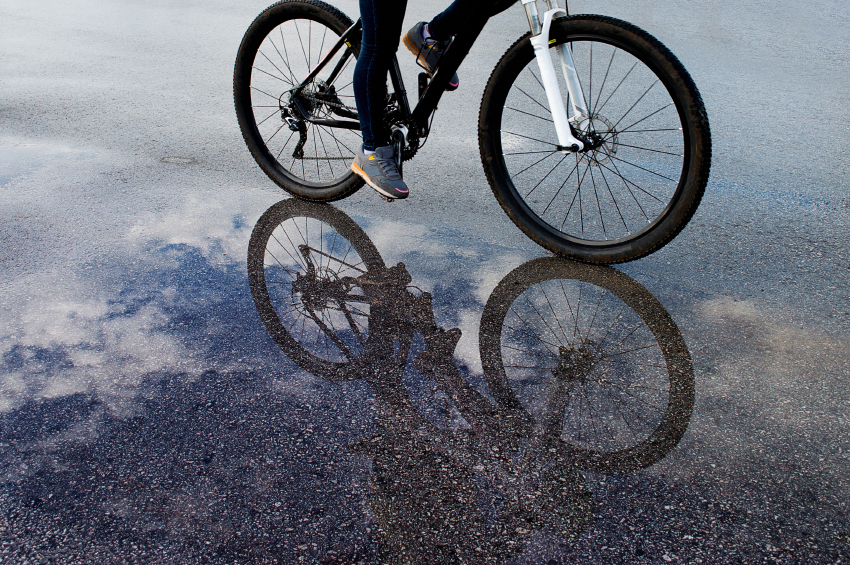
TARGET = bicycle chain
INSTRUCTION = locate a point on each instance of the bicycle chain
(413, 138)
(328, 102)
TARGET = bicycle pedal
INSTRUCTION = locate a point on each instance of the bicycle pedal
(387, 198)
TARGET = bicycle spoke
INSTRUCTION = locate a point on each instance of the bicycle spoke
(652, 150)
(533, 99)
(611, 326)
(330, 132)
(301, 41)
(626, 183)
(530, 152)
(330, 165)
(267, 117)
(554, 315)
(532, 333)
(526, 137)
(263, 92)
(580, 210)
(604, 79)
(593, 319)
(598, 206)
(285, 60)
(616, 88)
(275, 133)
(271, 75)
(626, 129)
(547, 174)
(613, 199)
(529, 114)
(535, 163)
(574, 169)
(632, 107)
(641, 168)
(542, 319)
(284, 145)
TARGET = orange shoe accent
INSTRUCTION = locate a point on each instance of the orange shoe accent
(419, 55)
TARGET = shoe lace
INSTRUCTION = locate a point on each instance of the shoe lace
(389, 168)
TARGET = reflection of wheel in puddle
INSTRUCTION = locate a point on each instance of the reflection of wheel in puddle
(595, 360)
(303, 262)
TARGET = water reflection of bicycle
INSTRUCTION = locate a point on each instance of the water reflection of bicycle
(586, 368)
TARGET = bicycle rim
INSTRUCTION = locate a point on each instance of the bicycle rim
(284, 52)
(634, 191)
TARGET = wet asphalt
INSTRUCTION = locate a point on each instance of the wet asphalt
(153, 411)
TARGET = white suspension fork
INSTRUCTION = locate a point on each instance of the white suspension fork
(540, 41)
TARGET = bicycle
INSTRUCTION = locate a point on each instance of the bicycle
(580, 357)
(612, 174)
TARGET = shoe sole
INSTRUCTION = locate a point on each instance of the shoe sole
(418, 54)
(362, 174)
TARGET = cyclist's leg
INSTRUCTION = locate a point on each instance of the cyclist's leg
(375, 161)
(447, 23)
(382, 21)
(451, 20)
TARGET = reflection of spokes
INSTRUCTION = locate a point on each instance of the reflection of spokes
(322, 290)
(304, 262)
(587, 387)
(593, 358)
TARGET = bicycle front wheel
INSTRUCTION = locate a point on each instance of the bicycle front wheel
(280, 48)
(633, 192)
(593, 358)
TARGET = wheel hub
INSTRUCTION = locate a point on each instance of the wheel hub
(600, 140)
(576, 362)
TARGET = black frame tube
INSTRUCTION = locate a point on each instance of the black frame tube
(449, 64)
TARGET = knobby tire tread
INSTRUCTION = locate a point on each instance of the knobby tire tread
(701, 138)
(352, 183)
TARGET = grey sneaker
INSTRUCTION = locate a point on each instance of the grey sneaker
(427, 51)
(380, 171)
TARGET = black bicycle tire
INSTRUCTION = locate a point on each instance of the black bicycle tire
(268, 20)
(682, 90)
(272, 218)
(675, 420)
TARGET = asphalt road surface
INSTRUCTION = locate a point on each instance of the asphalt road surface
(148, 415)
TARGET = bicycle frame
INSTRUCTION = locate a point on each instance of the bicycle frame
(451, 61)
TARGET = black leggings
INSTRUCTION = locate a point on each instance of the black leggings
(382, 20)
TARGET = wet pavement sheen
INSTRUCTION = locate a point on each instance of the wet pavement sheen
(196, 369)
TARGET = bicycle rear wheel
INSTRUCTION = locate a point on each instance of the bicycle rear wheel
(637, 189)
(278, 51)
(304, 260)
